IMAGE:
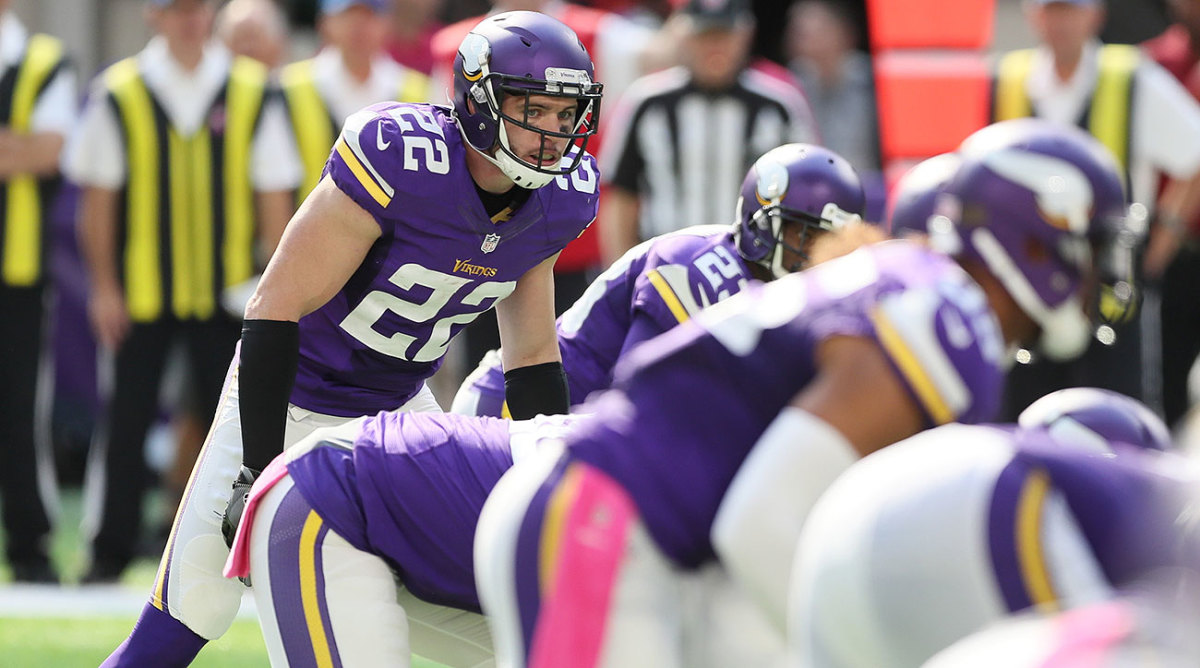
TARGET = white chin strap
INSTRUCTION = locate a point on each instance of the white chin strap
(520, 172)
(1065, 328)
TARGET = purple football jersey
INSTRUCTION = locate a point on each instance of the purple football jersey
(440, 262)
(662, 281)
(412, 488)
(691, 403)
(1129, 508)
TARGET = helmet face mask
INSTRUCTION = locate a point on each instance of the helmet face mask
(792, 194)
(525, 55)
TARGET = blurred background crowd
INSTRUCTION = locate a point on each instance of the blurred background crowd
(212, 120)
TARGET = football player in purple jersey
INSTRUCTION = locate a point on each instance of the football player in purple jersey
(420, 480)
(790, 196)
(425, 217)
(720, 434)
(956, 528)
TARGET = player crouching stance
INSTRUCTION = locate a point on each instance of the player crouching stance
(340, 517)
(576, 555)
(936, 537)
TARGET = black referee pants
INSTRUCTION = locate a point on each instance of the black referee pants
(26, 522)
(1180, 322)
(131, 407)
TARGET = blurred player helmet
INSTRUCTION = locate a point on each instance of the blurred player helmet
(1030, 200)
(523, 53)
(1093, 416)
(915, 194)
(794, 183)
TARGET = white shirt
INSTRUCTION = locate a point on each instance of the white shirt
(95, 154)
(343, 94)
(1166, 119)
(56, 108)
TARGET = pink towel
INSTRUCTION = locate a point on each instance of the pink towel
(238, 563)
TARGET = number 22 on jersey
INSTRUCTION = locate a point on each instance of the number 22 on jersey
(428, 324)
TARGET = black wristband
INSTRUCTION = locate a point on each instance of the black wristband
(266, 372)
(540, 388)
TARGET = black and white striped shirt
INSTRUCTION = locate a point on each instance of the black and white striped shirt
(685, 150)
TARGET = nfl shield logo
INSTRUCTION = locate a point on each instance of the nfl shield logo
(489, 243)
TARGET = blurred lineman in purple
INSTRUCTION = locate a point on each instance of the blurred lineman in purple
(426, 216)
(719, 435)
(350, 510)
(791, 195)
(956, 528)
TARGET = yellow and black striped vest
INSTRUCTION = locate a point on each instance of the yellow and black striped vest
(1109, 114)
(314, 125)
(25, 199)
(187, 227)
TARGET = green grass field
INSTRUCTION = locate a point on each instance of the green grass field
(85, 641)
(68, 633)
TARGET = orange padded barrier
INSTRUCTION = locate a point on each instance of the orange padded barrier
(929, 101)
(930, 24)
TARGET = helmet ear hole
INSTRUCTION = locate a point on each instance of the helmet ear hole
(479, 94)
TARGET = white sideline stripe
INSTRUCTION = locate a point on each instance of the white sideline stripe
(28, 600)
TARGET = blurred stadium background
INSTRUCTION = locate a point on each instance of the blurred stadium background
(78, 626)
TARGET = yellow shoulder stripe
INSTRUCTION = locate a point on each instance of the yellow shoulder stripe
(360, 172)
(910, 367)
(668, 296)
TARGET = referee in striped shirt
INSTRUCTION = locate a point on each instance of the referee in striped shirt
(680, 140)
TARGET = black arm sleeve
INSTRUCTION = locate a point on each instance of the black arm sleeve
(540, 388)
(266, 372)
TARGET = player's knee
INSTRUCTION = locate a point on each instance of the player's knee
(205, 600)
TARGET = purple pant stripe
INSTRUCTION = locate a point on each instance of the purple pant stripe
(319, 559)
(287, 553)
(529, 540)
(1002, 536)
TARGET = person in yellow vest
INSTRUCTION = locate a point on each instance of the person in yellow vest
(256, 29)
(37, 110)
(188, 168)
(1151, 125)
(351, 71)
